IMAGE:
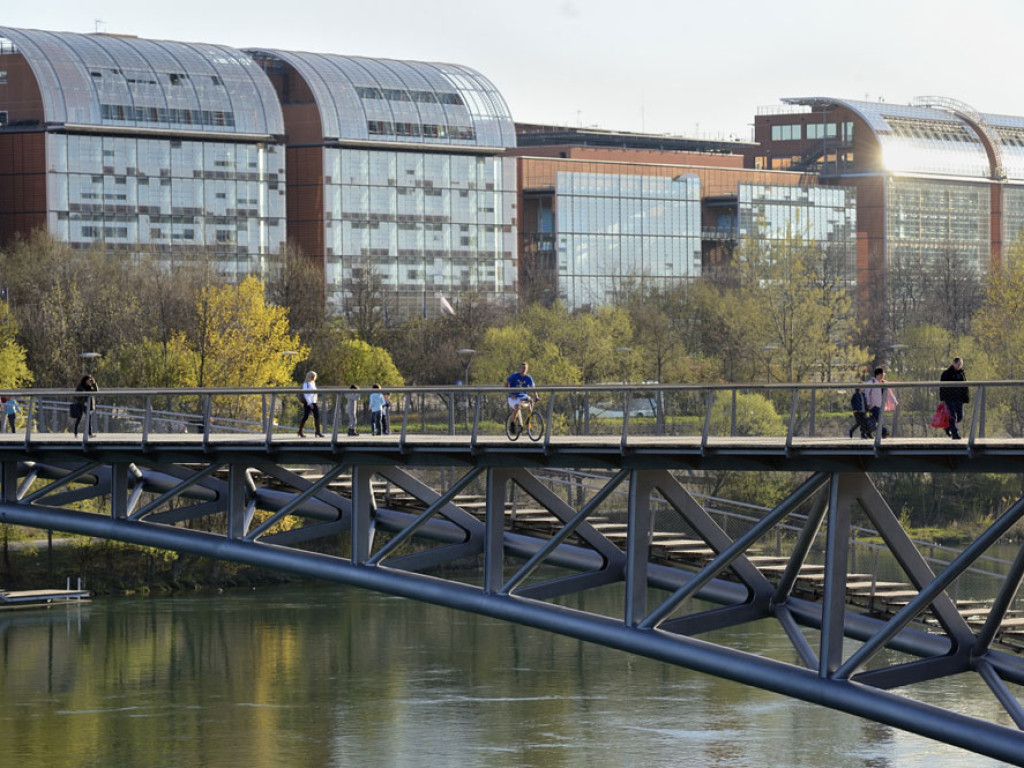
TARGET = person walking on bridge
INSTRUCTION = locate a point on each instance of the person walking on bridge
(309, 404)
(84, 405)
(954, 397)
(874, 397)
(11, 410)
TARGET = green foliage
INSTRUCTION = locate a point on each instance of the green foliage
(792, 297)
(151, 364)
(14, 370)
(755, 415)
(353, 361)
(240, 339)
(504, 348)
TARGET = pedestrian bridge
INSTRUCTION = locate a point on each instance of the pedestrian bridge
(615, 500)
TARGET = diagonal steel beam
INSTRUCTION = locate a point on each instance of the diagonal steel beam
(907, 555)
(928, 594)
(566, 531)
(726, 558)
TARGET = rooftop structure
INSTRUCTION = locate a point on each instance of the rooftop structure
(396, 176)
(150, 146)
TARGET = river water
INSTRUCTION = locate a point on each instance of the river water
(333, 677)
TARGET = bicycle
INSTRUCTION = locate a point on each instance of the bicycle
(531, 422)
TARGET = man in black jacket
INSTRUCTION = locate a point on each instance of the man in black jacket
(954, 397)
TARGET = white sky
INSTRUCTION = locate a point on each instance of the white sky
(685, 67)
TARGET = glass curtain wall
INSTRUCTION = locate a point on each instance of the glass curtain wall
(427, 225)
(825, 215)
(615, 226)
(1013, 216)
(929, 221)
(169, 198)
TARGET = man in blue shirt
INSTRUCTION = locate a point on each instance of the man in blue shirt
(518, 380)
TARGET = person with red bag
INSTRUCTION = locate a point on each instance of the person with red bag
(954, 397)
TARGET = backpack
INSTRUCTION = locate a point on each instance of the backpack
(857, 401)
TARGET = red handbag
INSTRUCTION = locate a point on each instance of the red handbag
(941, 418)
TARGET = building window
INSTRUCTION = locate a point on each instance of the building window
(821, 130)
(3, 118)
(786, 133)
(3, 76)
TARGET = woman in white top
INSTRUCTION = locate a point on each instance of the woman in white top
(309, 404)
(379, 404)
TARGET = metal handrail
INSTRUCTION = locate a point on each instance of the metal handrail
(705, 410)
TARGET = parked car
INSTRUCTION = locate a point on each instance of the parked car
(639, 407)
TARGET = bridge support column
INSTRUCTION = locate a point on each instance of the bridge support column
(833, 611)
(494, 530)
(363, 506)
(9, 481)
(236, 502)
(119, 491)
(640, 526)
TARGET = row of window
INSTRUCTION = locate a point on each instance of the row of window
(430, 131)
(126, 112)
(418, 97)
(798, 131)
(931, 130)
(145, 77)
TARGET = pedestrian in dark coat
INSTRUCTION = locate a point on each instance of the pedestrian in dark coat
(954, 397)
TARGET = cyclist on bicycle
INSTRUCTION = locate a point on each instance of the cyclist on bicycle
(519, 380)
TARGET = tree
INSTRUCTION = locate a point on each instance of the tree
(594, 341)
(354, 361)
(793, 296)
(14, 371)
(240, 339)
(1001, 335)
(67, 302)
(504, 348)
(297, 283)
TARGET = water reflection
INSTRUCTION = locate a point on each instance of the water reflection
(328, 676)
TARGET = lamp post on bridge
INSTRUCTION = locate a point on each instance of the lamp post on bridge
(466, 359)
(90, 360)
(768, 349)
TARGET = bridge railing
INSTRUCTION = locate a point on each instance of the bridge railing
(705, 411)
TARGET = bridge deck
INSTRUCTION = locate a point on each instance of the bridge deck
(917, 454)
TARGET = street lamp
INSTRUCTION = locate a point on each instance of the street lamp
(465, 357)
(623, 351)
(90, 360)
(893, 349)
(768, 349)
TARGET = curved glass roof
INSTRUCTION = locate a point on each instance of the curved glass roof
(365, 99)
(128, 82)
(917, 139)
(1009, 132)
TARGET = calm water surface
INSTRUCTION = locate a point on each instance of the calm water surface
(336, 677)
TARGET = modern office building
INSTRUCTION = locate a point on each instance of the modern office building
(152, 147)
(397, 174)
(937, 181)
(603, 208)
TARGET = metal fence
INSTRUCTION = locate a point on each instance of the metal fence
(790, 411)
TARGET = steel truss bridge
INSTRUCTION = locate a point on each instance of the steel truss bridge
(446, 487)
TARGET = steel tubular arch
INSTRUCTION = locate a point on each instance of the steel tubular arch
(214, 477)
(996, 741)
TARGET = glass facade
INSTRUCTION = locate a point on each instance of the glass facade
(428, 224)
(167, 197)
(926, 220)
(825, 215)
(362, 99)
(130, 82)
(1013, 215)
(611, 226)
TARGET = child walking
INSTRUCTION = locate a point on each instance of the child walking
(859, 406)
